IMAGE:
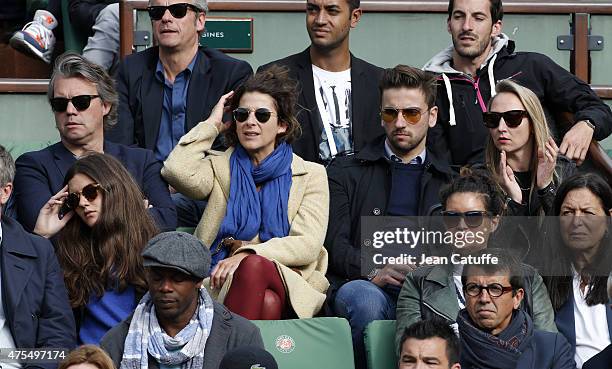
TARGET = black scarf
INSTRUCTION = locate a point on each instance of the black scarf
(482, 350)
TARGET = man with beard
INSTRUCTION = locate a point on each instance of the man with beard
(338, 92)
(480, 56)
(393, 175)
(494, 333)
(176, 323)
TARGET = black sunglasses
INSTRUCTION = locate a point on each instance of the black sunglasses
(90, 192)
(494, 289)
(177, 10)
(513, 118)
(411, 115)
(261, 114)
(80, 103)
(472, 218)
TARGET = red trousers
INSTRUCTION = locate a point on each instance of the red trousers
(257, 291)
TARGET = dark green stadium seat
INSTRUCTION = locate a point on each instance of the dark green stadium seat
(321, 343)
(380, 344)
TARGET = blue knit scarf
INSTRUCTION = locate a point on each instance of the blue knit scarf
(250, 212)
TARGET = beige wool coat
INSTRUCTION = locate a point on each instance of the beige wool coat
(200, 173)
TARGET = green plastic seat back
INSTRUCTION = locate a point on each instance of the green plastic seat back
(189, 230)
(380, 345)
(321, 343)
(73, 40)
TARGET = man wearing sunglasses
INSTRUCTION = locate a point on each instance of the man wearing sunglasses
(392, 176)
(494, 333)
(34, 307)
(338, 93)
(166, 90)
(481, 55)
(83, 99)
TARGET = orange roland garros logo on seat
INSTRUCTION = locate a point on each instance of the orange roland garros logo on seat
(285, 344)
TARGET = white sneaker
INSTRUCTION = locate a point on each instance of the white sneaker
(37, 36)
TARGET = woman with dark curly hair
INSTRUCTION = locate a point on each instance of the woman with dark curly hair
(267, 209)
(101, 224)
(472, 204)
(579, 260)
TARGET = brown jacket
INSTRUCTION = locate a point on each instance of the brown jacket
(200, 173)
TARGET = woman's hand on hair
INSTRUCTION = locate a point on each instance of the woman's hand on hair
(225, 268)
(547, 160)
(48, 222)
(508, 181)
(216, 116)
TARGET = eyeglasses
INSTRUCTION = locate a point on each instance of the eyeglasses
(261, 114)
(494, 289)
(411, 115)
(177, 10)
(80, 103)
(472, 218)
(90, 192)
(513, 118)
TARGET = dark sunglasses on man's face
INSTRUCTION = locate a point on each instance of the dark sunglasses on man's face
(90, 192)
(242, 114)
(177, 10)
(80, 103)
(472, 218)
(411, 115)
(513, 118)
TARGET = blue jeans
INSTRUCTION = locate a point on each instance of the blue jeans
(188, 211)
(362, 302)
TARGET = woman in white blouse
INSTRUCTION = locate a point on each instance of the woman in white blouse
(580, 260)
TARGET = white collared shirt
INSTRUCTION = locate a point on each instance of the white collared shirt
(590, 324)
(391, 156)
(6, 338)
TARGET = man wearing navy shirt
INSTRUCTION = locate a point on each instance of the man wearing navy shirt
(395, 176)
(83, 100)
(168, 89)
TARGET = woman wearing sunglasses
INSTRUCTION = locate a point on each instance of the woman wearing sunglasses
(267, 209)
(471, 203)
(521, 153)
(100, 224)
(579, 260)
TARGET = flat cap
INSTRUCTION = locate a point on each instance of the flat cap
(180, 251)
(248, 357)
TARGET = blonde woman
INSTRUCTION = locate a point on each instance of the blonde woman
(521, 153)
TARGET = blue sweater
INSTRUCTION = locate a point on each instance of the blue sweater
(101, 314)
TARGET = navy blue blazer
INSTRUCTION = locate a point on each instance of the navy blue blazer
(34, 297)
(40, 175)
(141, 94)
(564, 318)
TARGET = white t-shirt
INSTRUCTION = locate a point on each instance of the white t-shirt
(333, 94)
(590, 324)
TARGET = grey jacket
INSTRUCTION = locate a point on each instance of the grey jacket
(228, 331)
(429, 292)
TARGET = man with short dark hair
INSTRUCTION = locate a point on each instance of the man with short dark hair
(338, 92)
(83, 99)
(168, 89)
(393, 175)
(429, 343)
(494, 332)
(34, 308)
(480, 56)
(177, 324)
